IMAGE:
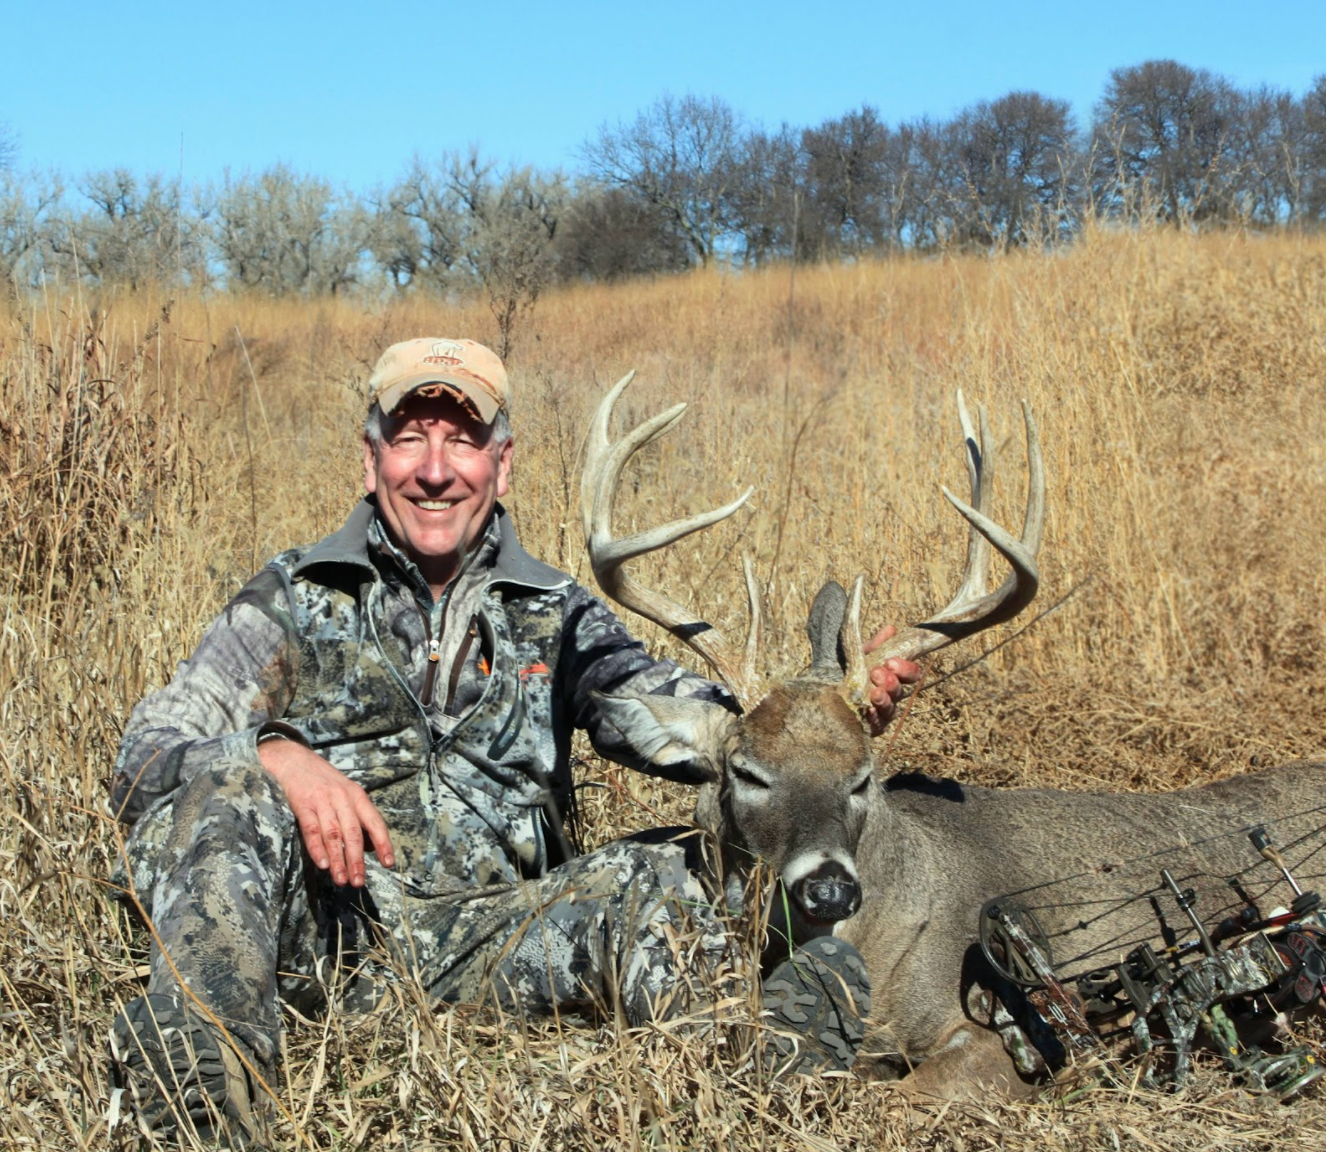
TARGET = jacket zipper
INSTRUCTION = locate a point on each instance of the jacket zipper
(434, 656)
(462, 723)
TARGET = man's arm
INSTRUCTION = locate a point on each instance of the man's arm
(601, 656)
(334, 814)
(239, 681)
(219, 707)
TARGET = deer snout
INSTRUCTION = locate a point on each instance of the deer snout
(829, 892)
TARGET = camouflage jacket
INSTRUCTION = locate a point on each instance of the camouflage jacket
(340, 646)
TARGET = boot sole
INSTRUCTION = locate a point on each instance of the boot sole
(816, 1000)
(170, 1062)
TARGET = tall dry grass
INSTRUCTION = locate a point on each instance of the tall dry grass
(156, 451)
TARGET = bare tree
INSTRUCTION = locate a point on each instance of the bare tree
(679, 156)
(1313, 151)
(135, 232)
(511, 244)
(609, 234)
(421, 227)
(768, 194)
(8, 148)
(393, 240)
(24, 208)
(1015, 169)
(280, 232)
(844, 162)
(460, 224)
(1261, 179)
(1159, 140)
(925, 207)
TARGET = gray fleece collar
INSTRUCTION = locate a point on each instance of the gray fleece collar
(512, 565)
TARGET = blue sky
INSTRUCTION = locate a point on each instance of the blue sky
(350, 91)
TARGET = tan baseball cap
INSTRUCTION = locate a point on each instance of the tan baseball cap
(429, 366)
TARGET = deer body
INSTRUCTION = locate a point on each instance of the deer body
(933, 852)
(901, 867)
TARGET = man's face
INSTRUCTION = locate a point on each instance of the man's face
(436, 476)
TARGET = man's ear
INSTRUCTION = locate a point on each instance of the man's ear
(504, 468)
(370, 467)
(670, 730)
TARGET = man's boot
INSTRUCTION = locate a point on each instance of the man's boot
(180, 1074)
(814, 1002)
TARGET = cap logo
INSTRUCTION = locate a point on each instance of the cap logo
(445, 352)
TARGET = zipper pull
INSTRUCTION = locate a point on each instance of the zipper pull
(434, 658)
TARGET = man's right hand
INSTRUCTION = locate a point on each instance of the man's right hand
(334, 813)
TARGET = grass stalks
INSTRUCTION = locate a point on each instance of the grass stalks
(152, 451)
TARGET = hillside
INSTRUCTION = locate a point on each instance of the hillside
(156, 451)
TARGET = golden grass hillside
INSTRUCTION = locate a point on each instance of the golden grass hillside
(156, 451)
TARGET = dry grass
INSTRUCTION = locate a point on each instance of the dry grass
(154, 452)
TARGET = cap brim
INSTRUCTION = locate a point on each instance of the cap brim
(485, 405)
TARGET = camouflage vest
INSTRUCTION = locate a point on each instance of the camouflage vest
(466, 809)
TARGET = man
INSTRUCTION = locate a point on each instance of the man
(367, 757)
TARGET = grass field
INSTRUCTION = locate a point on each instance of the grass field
(157, 451)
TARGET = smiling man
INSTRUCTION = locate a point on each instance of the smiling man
(447, 459)
(363, 774)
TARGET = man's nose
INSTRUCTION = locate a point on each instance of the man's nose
(435, 468)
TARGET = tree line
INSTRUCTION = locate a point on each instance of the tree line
(688, 181)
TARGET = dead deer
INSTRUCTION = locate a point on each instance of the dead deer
(901, 867)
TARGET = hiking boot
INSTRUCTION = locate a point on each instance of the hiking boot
(179, 1073)
(814, 1002)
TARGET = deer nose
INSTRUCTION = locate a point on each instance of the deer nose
(828, 894)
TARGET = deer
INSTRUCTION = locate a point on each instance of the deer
(901, 866)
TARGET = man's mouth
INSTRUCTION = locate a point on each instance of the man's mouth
(435, 505)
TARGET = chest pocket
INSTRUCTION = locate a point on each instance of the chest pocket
(350, 704)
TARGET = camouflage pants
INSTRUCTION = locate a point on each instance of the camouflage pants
(242, 919)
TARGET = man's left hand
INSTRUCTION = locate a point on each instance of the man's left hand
(887, 682)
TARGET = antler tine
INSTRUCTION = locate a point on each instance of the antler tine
(604, 461)
(973, 609)
(756, 627)
(1033, 522)
(980, 458)
(855, 677)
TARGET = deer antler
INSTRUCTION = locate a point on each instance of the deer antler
(973, 608)
(604, 461)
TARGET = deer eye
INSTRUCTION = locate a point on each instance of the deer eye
(741, 770)
(862, 788)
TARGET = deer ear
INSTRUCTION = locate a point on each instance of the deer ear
(671, 730)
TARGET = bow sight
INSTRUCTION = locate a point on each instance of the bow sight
(1214, 986)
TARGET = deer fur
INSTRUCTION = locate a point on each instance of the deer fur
(900, 866)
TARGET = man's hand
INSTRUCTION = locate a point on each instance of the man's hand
(334, 813)
(887, 682)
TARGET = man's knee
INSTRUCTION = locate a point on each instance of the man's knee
(238, 785)
(231, 803)
(229, 809)
(667, 860)
(630, 888)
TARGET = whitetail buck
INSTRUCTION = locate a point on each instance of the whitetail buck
(901, 867)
